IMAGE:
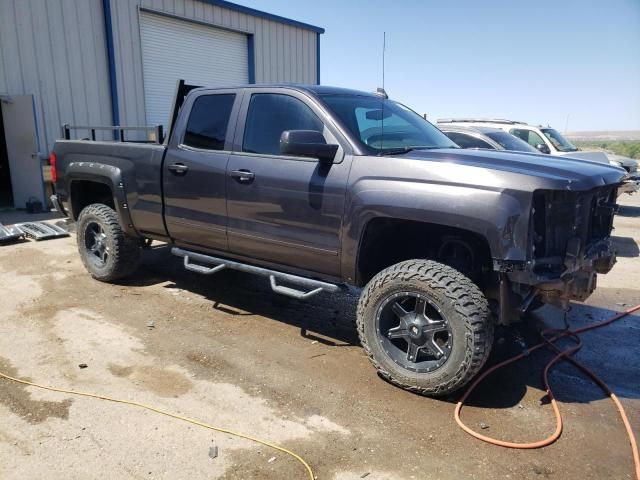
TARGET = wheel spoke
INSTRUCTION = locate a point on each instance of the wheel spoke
(435, 349)
(435, 327)
(399, 310)
(412, 352)
(421, 305)
(397, 332)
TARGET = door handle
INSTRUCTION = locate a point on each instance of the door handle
(243, 176)
(178, 168)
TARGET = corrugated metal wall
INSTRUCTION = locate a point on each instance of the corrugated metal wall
(283, 53)
(55, 50)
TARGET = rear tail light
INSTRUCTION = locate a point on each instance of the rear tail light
(54, 172)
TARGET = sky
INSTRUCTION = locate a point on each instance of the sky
(567, 63)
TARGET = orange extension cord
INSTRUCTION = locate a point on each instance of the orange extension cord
(549, 337)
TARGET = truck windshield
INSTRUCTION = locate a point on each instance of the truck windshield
(561, 143)
(510, 142)
(383, 126)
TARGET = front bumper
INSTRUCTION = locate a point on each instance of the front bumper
(578, 281)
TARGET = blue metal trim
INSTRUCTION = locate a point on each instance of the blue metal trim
(318, 58)
(251, 57)
(261, 14)
(111, 58)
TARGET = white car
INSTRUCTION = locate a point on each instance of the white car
(548, 140)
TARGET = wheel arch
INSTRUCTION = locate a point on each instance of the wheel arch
(88, 183)
(385, 241)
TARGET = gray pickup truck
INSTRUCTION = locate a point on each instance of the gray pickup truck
(321, 188)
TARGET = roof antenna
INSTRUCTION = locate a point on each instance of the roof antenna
(381, 91)
(384, 47)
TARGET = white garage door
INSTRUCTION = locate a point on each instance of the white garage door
(201, 55)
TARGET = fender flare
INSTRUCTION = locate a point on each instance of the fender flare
(108, 175)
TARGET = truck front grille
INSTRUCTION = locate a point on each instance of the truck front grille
(571, 221)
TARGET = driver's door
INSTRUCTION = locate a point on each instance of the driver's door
(281, 208)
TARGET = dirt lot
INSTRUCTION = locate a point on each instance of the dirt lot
(227, 351)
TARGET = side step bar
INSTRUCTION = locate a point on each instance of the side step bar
(313, 286)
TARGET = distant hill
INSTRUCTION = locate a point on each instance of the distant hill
(605, 136)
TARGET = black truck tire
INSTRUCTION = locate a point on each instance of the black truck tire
(447, 336)
(106, 251)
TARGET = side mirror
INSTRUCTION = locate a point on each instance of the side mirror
(307, 143)
(543, 148)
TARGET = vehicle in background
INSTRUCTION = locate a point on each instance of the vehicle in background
(485, 137)
(319, 188)
(549, 141)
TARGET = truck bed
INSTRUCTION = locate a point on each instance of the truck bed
(133, 171)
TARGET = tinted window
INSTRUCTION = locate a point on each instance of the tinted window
(529, 136)
(561, 143)
(509, 142)
(467, 141)
(271, 114)
(208, 121)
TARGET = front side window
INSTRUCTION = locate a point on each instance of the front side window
(561, 143)
(467, 141)
(383, 126)
(208, 121)
(271, 114)
(529, 136)
(509, 142)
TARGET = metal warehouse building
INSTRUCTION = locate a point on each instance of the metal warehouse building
(117, 62)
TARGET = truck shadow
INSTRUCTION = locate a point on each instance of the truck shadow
(326, 318)
(330, 319)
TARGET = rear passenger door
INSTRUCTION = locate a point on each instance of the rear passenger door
(284, 209)
(194, 170)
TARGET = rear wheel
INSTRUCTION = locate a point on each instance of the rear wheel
(425, 326)
(106, 251)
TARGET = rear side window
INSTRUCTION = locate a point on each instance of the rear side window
(208, 121)
(467, 141)
(269, 115)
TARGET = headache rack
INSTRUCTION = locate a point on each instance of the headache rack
(155, 133)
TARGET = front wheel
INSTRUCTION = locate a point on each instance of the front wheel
(106, 251)
(425, 326)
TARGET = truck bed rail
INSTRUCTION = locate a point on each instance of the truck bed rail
(118, 132)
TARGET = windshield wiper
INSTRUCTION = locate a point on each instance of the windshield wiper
(396, 151)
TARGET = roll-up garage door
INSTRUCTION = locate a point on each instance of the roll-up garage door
(176, 49)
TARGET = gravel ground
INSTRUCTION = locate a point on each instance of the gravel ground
(227, 351)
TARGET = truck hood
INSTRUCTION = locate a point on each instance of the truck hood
(559, 172)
